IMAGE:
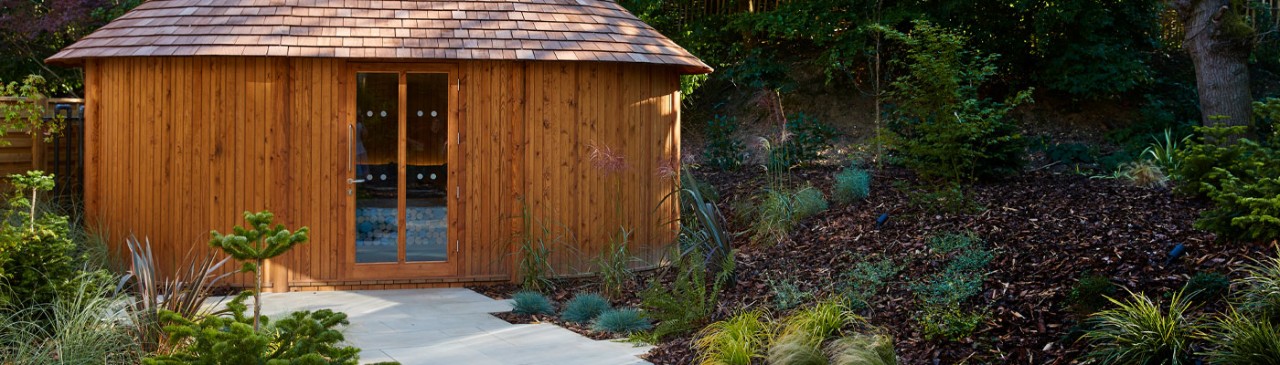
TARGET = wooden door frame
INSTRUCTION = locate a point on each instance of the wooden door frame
(452, 266)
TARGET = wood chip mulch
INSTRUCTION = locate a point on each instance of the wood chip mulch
(1047, 229)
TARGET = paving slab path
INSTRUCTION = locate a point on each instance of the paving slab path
(450, 326)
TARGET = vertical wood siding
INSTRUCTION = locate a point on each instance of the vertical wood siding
(180, 146)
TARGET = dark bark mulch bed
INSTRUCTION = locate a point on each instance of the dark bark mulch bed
(1047, 229)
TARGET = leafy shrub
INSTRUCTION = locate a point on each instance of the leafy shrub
(1090, 293)
(949, 322)
(1205, 288)
(861, 283)
(937, 120)
(584, 307)
(79, 328)
(723, 150)
(852, 183)
(688, 302)
(863, 349)
(26, 111)
(1241, 340)
(614, 265)
(37, 256)
(1070, 153)
(531, 302)
(621, 321)
(1138, 331)
(802, 142)
(780, 210)
(787, 295)
(738, 340)
(301, 338)
(1241, 176)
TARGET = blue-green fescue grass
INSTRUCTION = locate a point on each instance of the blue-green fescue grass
(584, 307)
(852, 183)
(1138, 331)
(84, 325)
(863, 349)
(738, 340)
(1241, 340)
(531, 302)
(621, 321)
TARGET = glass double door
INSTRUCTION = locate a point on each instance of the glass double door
(401, 185)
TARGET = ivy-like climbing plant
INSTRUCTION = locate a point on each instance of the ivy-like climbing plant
(256, 244)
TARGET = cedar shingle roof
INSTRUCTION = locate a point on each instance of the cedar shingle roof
(584, 30)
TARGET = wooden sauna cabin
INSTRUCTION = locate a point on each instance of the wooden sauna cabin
(414, 138)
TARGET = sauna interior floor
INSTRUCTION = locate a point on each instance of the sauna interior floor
(450, 326)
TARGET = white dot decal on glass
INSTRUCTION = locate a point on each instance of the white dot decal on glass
(383, 176)
(419, 113)
(433, 176)
(384, 113)
(419, 176)
(368, 113)
(433, 113)
(368, 177)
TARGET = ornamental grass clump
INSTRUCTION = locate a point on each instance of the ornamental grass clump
(852, 184)
(621, 321)
(1139, 331)
(801, 335)
(1241, 340)
(863, 349)
(738, 340)
(531, 303)
(584, 307)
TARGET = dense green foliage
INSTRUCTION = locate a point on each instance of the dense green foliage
(584, 307)
(621, 321)
(787, 295)
(1204, 288)
(254, 245)
(939, 124)
(723, 150)
(37, 256)
(301, 338)
(803, 139)
(531, 302)
(1241, 176)
(690, 299)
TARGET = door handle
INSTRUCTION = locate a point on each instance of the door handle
(351, 151)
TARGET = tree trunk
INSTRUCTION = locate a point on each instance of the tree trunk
(1219, 42)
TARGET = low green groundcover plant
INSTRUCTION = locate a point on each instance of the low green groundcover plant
(621, 321)
(584, 307)
(531, 302)
(301, 338)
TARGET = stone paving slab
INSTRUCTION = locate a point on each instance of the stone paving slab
(450, 326)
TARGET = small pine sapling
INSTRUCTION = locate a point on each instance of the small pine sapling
(255, 245)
